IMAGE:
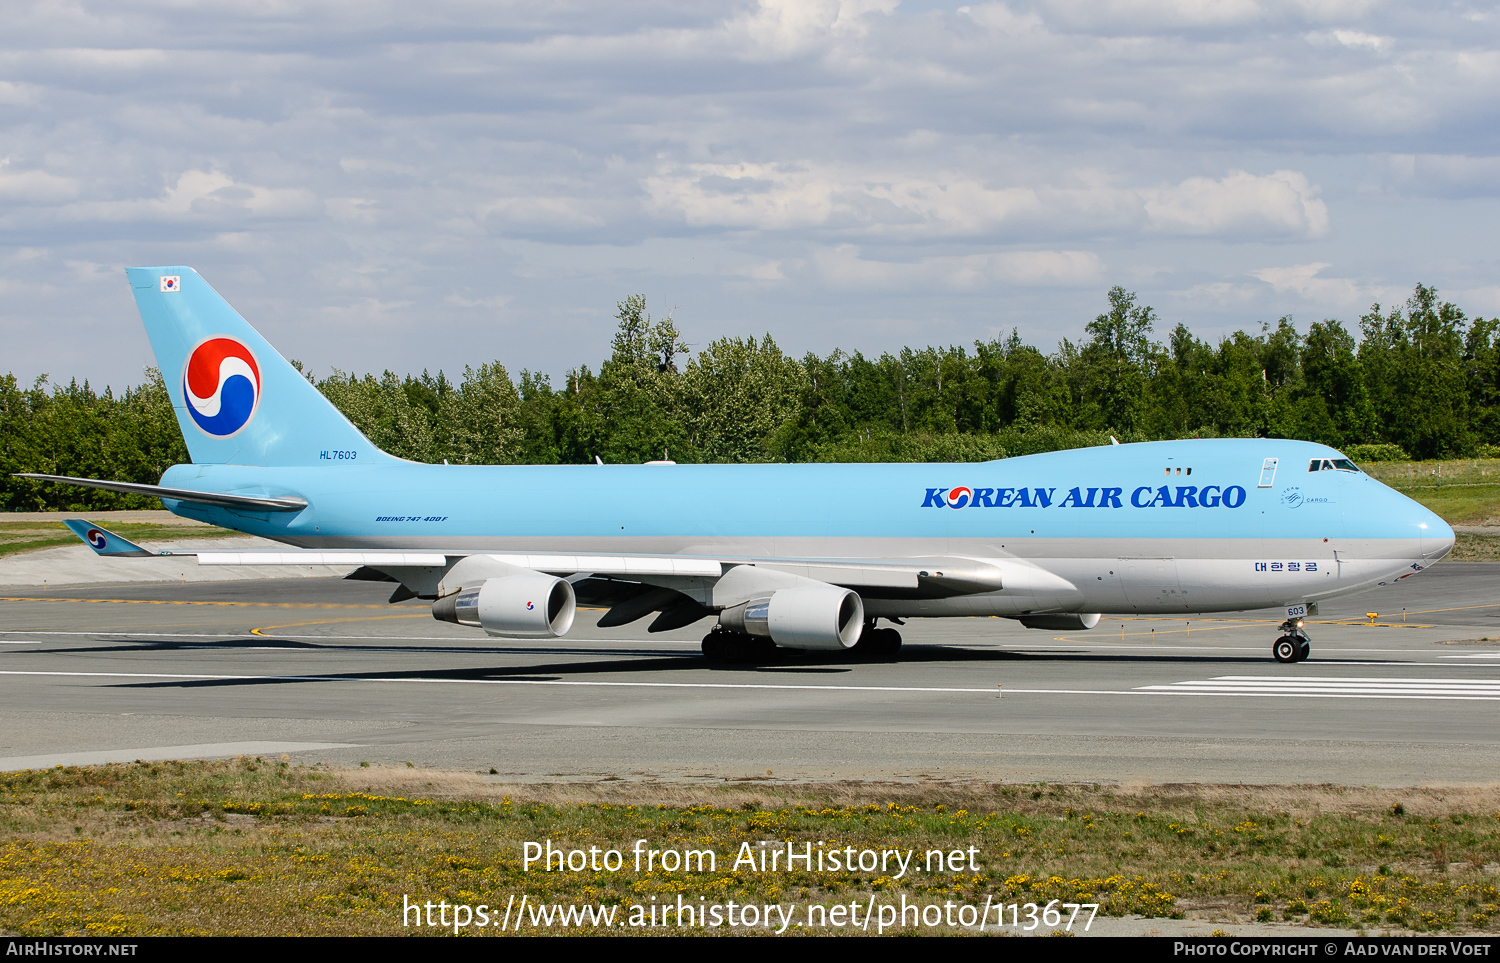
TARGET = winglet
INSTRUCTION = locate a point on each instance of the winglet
(103, 541)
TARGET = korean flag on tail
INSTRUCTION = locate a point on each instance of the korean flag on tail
(171, 282)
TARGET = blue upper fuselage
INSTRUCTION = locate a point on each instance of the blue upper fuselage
(1200, 489)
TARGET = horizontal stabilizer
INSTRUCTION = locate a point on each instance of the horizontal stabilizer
(105, 542)
(255, 503)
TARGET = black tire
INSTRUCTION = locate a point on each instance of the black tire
(1287, 649)
(758, 650)
(878, 643)
(1304, 649)
(715, 646)
(886, 642)
(737, 648)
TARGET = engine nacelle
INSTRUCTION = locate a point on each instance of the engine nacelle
(1073, 622)
(814, 617)
(531, 606)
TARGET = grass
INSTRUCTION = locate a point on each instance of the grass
(1463, 492)
(1475, 548)
(1460, 492)
(1466, 505)
(1435, 474)
(266, 848)
(18, 537)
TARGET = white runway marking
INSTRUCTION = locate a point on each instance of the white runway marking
(1346, 687)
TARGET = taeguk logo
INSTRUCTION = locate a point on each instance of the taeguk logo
(221, 383)
(958, 497)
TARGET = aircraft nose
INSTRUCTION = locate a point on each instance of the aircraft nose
(1411, 518)
(1437, 537)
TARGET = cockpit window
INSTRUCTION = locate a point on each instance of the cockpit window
(1332, 464)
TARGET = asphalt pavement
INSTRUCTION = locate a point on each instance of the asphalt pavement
(321, 669)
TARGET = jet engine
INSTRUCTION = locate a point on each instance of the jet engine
(1071, 622)
(526, 606)
(813, 617)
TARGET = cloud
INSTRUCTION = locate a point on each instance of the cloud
(764, 271)
(844, 267)
(1442, 175)
(401, 164)
(1281, 204)
(1351, 38)
(494, 301)
(34, 186)
(1480, 300)
(202, 195)
(1303, 280)
(785, 28)
(1116, 14)
(873, 202)
(1144, 16)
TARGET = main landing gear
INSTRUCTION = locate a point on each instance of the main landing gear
(739, 648)
(878, 643)
(1294, 645)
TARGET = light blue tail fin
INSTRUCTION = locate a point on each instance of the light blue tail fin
(237, 400)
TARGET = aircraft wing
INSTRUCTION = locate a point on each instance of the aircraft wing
(932, 577)
(928, 577)
(534, 595)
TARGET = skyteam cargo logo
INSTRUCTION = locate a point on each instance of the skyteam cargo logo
(221, 384)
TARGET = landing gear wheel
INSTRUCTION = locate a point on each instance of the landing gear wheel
(738, 648)
(880, 643)
(1294, 645)
(715, 646)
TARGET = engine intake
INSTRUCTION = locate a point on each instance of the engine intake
(534, 606)
(802, 618)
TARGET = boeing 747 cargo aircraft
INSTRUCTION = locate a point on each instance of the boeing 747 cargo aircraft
(794, 556)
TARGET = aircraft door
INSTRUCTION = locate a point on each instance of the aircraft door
(1152, 585)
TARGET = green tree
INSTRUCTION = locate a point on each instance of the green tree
(481, 418)
(633, 411)
(741, 392)
(1114, 367)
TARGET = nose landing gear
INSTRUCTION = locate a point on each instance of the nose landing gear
(1294, 645)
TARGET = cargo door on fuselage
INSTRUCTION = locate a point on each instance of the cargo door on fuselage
(1151, 584)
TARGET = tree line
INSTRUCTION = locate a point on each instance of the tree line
(1418, 380)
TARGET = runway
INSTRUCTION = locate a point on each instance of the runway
(324, 670)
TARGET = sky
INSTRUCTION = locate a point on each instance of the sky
(382, 185)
